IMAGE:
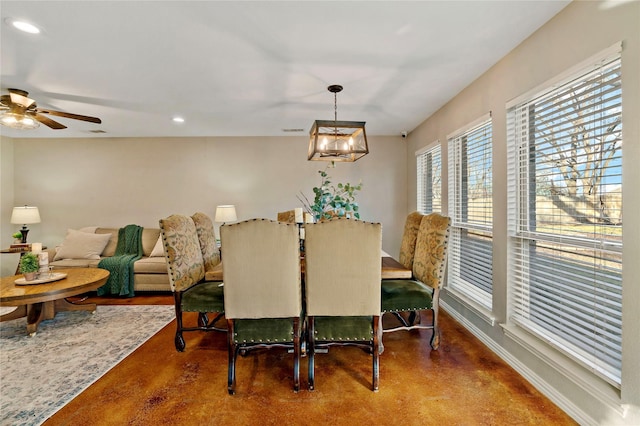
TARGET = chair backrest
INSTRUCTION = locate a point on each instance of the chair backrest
(343, 269)
(431, 250)
(408, 246)
(207, 238)
(261, 269)
(182, 251)
(288, 217)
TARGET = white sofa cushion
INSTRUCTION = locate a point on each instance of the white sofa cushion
(82, 245)
(158, 249)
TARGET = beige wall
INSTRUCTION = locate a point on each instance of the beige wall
(580, 31)
(115, 182)
(6, 207)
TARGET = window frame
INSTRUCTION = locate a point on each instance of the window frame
(528, 247)
(427, 201)
(470, 259)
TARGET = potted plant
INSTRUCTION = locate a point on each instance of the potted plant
(332, 200)
(17, 236)
(29, 265)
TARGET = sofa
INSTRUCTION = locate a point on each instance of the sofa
(85, 248)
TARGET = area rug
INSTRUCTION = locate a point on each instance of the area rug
(40, 374)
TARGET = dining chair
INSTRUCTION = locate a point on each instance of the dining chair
(342, 279)
(407, 253)
(423, 291)
(409, 235)
(210, 256)
(192, 293)
(263, 295)
(288, 217)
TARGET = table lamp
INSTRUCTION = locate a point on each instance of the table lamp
(25, 215)
(226, 213)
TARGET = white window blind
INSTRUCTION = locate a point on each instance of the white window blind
(429, 166)
(471, 210)
(565, 216)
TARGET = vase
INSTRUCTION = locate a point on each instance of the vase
(30, 276)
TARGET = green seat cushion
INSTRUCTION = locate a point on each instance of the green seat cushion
(347, 329)
(207, 296)
(405, 295)
(263, 330)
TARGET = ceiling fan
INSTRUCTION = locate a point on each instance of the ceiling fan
(20, 112)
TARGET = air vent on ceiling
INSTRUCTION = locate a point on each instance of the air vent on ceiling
(292, 130)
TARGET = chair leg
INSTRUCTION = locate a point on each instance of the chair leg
(311, 351)
(435, 339)
(231, 379)
(296, 354)
(376, 353)
(203, 319)
(178, 340)
(380, 334)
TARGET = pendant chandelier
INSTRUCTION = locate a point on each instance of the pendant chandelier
(337, 140)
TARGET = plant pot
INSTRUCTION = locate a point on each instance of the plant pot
(30, 276)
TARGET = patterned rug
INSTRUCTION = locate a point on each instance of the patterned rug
(40, 374)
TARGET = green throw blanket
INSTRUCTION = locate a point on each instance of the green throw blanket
(120, 265)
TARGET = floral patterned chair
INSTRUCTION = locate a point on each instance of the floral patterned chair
(408, 246)
(210, 256)
(423, 291)
(187, 276)
(342, 280)
(263, 293)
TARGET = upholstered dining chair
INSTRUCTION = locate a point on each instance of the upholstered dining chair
(409, 235)
(423, 291)
(288, 217)
(342, 279)
(262, 290)
(207, 238)
(187, 276)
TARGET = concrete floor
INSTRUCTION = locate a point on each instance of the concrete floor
(463, 383)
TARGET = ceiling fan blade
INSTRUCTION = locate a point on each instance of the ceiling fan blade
(49, 122)
(69, 115)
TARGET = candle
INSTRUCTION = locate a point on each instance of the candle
(43, 260)
(36, 248)
(298, 213)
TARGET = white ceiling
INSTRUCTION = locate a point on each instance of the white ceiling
(253, 68)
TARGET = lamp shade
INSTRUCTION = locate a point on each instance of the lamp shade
(25, 215)
(226, 213)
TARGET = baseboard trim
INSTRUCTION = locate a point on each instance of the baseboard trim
(549, 391)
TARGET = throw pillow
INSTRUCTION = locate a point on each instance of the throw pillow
(158, 249)
(82, 245)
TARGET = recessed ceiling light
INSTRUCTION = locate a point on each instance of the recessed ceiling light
(23, 26)
(178, 120)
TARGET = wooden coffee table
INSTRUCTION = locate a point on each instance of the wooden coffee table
(39, 302)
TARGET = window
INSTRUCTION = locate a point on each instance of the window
(471, 210)
(429, 179)
(565, 216)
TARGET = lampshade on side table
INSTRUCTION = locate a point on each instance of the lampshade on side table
(25, 215)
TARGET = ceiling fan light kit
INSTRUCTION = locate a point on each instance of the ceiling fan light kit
(18, 121)
(335, 140)
(18, 111)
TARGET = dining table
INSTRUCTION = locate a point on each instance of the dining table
(391, 269)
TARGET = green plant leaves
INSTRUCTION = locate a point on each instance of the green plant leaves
(333, 200)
